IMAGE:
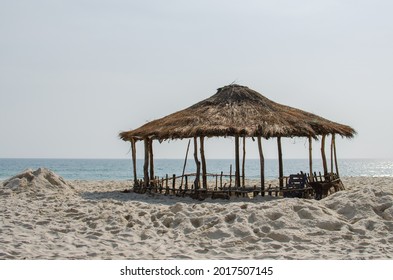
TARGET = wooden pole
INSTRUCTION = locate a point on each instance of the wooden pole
(237, 163)
(230, 175)
(335, 153)
(185, 162)
(310, 156)
(325, 171)
(331, 156)
(151, 160)
(202, 150)
(244, 161)
(133, 152)
(174, 183)
(280, 165)
(261, 165)
(146, 163)
(197, 163)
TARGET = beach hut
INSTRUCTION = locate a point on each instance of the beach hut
(239, 112)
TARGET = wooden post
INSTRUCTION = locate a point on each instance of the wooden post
(133, 152)
(244, 161)
(156, 183)
(151, 161)
(174, 183)
(146, 163)
(280, 165)
(331, 156)
(221, 180)
(197, 163)
(202, 150)
(162, 184)
(166, 184)
(310, 156)
(335, 153)
(261, 166)
(230, 175)
(237, 163)
(185, 162)
(325, 171)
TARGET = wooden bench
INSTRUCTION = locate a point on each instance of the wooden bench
(296, 186)
(323, 185)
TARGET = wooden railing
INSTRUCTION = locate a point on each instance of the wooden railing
(223, 186)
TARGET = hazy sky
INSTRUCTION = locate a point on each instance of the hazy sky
(73, 74)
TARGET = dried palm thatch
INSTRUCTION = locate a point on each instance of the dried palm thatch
(238, 111)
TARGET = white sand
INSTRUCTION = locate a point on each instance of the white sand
(44, 217)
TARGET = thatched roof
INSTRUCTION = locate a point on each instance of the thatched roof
(238, 111)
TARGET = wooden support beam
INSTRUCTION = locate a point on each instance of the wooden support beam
(174, 184)
(331, 156)
(197, 164)
(310, 156)
(261, 166)
(146, 163)
(202, 150)
(133, 153)
(230, 175)
(244, 161)
(325, 171)
(237, 162)
(151, 159)
(157, 183)
(185, 163)
(335, 153)
(280, 164)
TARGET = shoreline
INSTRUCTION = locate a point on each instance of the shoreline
(112, 169)
(85, 219)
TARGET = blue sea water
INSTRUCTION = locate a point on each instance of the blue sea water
(121, 169)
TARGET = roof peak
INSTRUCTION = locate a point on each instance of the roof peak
(231, 86)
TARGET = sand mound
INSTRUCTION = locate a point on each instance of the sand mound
(40, 179)
(369, 208)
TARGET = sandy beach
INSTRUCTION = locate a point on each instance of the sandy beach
(43, 216)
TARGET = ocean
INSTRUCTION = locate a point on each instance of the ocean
(121, 169)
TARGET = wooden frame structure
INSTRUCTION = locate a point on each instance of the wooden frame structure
(246, 113)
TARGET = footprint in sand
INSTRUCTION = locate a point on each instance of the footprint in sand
(42, 222)
(168, 222)
(330, 225)
(241, 231)
(274, 215)
(196, 222)
(230, 218)
(279, 237)
(305, 214)
(217, 234)
(265, 229)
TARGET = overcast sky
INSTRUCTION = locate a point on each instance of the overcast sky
(73, 74)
